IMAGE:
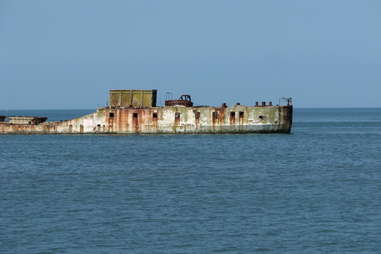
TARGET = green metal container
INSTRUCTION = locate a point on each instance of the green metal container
(133, 98)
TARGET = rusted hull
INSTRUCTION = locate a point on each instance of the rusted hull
(167, 120)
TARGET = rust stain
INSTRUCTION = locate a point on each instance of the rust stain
(154, 120)
(232, 118)
(214, 118)
(135, 121)
(221, 114)
(241, 116)
(177, 119)
(197, 115)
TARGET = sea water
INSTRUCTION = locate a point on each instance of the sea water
(317, 190)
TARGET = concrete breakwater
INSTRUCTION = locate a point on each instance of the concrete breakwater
(131, 114)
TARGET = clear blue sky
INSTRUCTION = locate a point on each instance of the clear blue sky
(67, 54)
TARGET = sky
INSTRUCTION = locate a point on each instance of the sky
(67, 54)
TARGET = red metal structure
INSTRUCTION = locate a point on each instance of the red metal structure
(184, 100)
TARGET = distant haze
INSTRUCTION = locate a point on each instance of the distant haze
(67, 54)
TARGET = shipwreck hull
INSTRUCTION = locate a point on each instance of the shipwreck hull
(167, 120)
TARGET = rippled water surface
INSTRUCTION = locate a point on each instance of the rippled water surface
(317, 190)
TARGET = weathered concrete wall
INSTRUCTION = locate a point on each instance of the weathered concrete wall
(178, 119)
(26, 119)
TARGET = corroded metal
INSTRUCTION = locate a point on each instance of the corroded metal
(184, 100)
(168, 119)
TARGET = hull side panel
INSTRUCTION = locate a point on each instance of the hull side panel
(167, 120)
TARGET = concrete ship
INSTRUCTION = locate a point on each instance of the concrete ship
(135, 112)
